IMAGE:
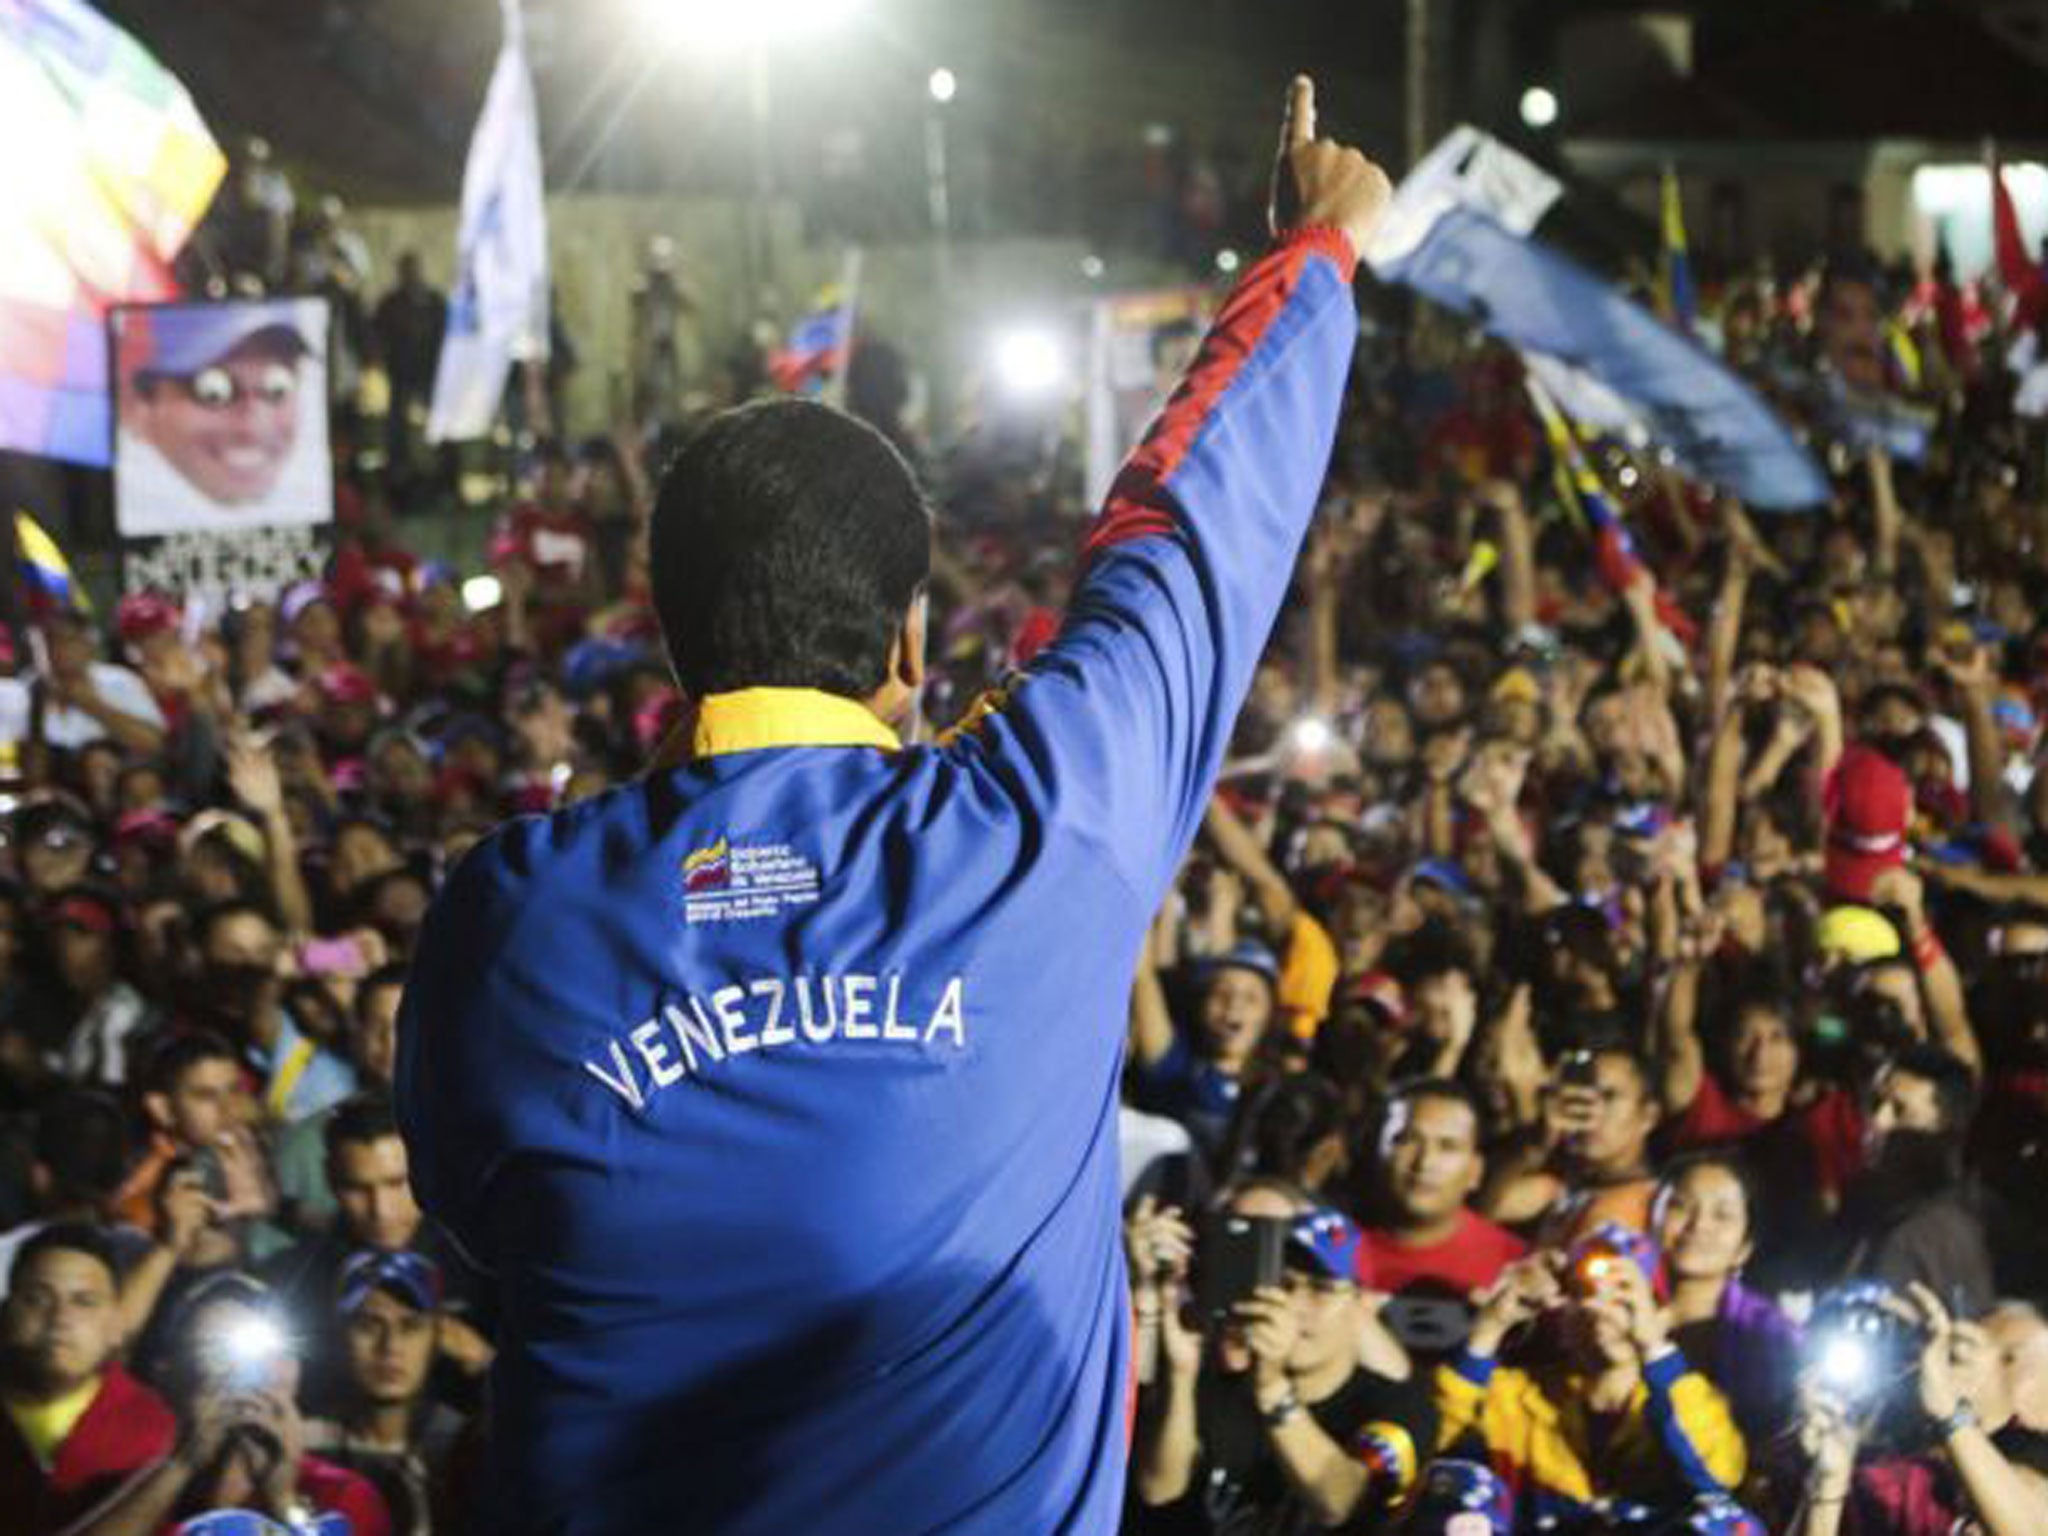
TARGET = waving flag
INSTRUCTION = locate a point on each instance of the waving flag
(1676, 299)
(1620, 564)
(107, 170)
(813, 361)
(2022, 277)
(498, 313)
(818, 347)
(1447, 238)
(46, 577)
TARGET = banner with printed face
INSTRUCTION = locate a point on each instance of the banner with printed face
(220, 417)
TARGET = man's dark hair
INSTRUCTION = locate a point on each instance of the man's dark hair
(1955, 1090)
(82, 1141)
(1448, 1089)
(787, 543)
(84, 1237)
(1433, 950)
(1279, 1131)
(180, 1054)
(213, 916)
(356, 1121)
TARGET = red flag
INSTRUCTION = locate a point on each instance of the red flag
(2022, 277)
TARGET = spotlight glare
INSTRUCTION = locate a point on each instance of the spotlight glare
(1845, 1363)
(1310, 735)
(1029, 362)
(481, 592)
(711, 26)
(1539, 107)
(943, 85)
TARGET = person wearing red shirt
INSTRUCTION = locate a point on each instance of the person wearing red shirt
(241, 1443)
(546, 544)
(1758, 1085)
(75, 1424)
(1430, 1251)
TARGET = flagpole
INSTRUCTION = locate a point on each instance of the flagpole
(849, 299)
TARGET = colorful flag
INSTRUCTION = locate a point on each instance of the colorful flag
(813, 360)
(818, 347)
(1458, 253)
(1615, 554)
(2018, 270)
(46, 579)
(1564, 447)
(1675, 294)
(107, 170)
(498, 313)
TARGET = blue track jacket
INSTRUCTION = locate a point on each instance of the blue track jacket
(778, 1091)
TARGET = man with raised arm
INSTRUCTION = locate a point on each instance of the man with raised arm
(794, 1158)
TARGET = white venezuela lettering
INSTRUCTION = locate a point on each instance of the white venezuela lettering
(692, 1035)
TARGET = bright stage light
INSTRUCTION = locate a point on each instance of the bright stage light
(715, 26)
(1539, 107)
(1030, 363)
(481, 592)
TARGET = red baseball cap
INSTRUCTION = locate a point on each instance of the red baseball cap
(142, 614)
(1378, 991)
(1869, 805)
(345, 683)
(83, 909)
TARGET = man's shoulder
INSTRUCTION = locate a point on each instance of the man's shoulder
(310, 1264)
(532, 849)
(1486, 1237)
(141, 1408)
(336, 1490)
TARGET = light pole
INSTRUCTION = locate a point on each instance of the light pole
(941, 86)
(761, 242)
(1416, 97)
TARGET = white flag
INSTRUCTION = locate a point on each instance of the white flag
(1469, 169)
(498, 313)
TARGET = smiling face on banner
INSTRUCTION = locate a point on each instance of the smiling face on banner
(222, 417)
(230, 427)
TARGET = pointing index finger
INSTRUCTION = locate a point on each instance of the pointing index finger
(1300, 127)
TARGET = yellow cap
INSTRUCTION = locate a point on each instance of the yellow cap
(1858, 935)
(1516, 686)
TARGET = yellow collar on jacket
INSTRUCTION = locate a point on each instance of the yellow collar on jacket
(756, 719)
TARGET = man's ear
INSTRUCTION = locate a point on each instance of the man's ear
(158, 1107)
(906, 659)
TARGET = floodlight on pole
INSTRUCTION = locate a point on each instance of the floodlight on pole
(1539, 107)
(944, 85)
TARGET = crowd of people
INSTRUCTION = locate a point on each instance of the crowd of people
(1592, 1071)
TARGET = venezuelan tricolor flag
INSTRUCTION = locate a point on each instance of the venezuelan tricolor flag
(46, 579)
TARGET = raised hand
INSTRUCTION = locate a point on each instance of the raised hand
(1521, 1293)
(1158, 1243)
(253, 776)
(1317, 182)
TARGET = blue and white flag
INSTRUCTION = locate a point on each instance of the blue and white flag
(1473, 254)
(498, 313)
